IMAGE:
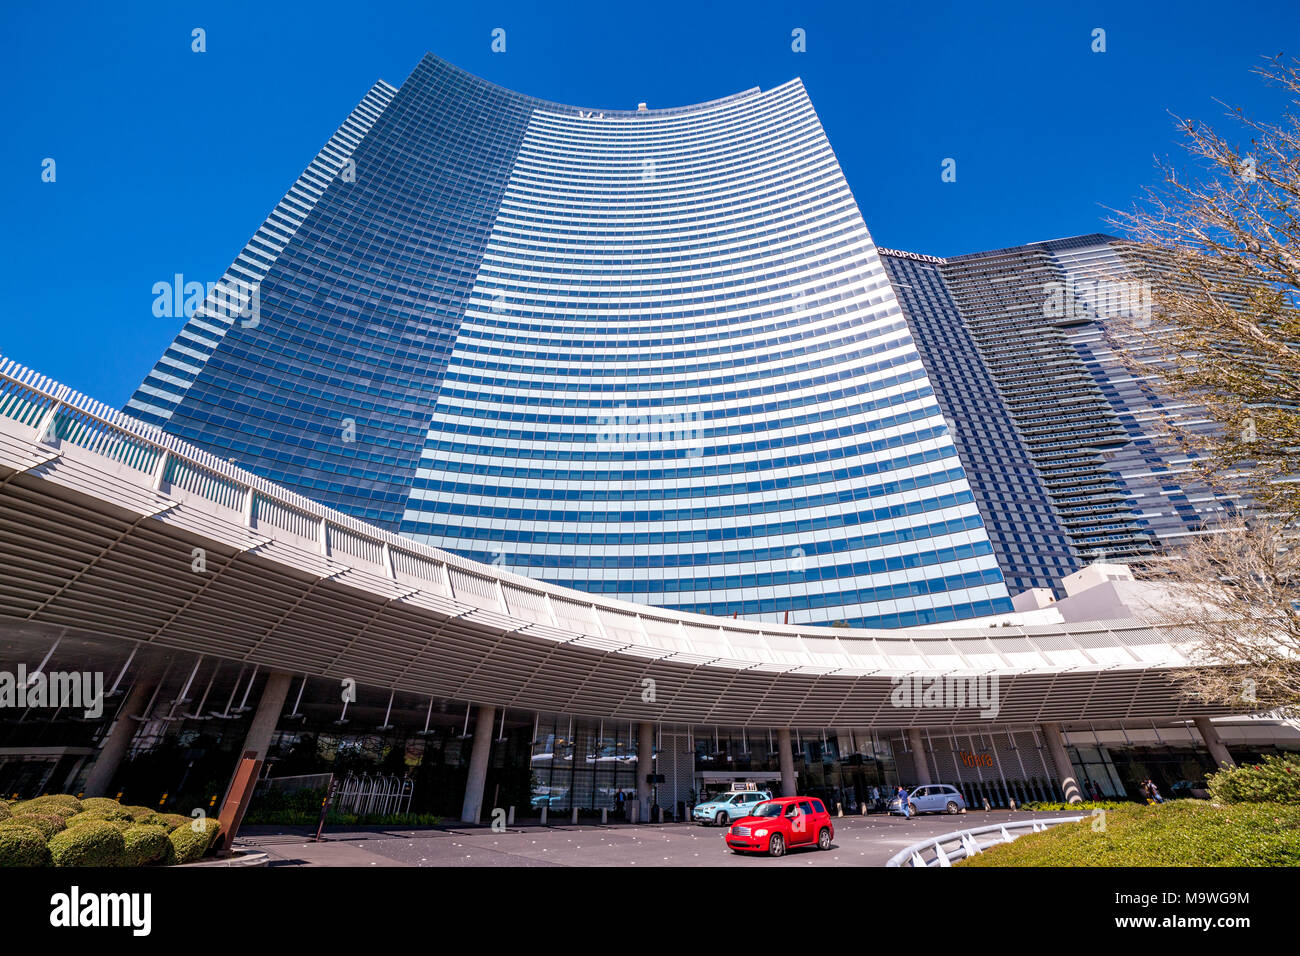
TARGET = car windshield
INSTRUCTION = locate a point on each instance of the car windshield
(767, 810)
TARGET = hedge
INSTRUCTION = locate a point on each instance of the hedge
(62, 803)
(145, 815)
(65, 831)
(57, 810)
(96, 843)
(101, 803)
(48, 823)
(147, 844)
(112, 815)
(23, 846)
(194, 839)
(1276, 780)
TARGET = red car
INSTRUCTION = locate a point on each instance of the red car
(781, 824)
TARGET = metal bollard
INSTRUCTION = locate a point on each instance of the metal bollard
(660, 814)
(510, 817)
(839, 809)
(604, 816)
(864, 809)
(574, 817)
(544, 816)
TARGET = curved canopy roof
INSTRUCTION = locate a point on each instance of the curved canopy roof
(103, 521)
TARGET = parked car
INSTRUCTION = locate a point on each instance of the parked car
(782, 824)
(932, 798)
(728, 806)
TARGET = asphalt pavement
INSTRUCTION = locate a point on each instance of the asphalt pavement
(859, 841)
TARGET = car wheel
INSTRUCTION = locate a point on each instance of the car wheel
(952, 806)
(824, 839)
(722, 819)
(776, 845)
(915, 812)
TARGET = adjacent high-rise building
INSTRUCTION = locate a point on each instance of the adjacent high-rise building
(1020, 343)
(1033, 546)
(651, 354)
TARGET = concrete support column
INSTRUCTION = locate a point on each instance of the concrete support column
(117, 741)
(1064, 769)
(645, 766)
(917, 745)
(1214, 742)
(267, 716)
(789, 783)
(478, 764)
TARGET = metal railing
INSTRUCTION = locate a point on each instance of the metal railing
(373, 794)
(948, 848)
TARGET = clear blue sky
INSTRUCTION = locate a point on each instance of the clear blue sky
(168, 160)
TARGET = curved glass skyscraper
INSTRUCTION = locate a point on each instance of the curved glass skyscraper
(645, 353)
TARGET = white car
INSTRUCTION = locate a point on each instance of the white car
(729, 806)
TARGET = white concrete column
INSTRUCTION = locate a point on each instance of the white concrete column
(1214, 742)
(1064, 769)
(117, 741)
(645, 766)
(267, 716)
(480, 751)
(789, 782)
(917, 745)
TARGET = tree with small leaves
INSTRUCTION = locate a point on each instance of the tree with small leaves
(1217, 247)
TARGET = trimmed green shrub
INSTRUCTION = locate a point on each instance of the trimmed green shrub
(144, 815)
(1086, 807)
(214, 831)
(47, 803)
(48, 823)
(1276, 780)
(5, 812)
(101, 803)
(96, 843)
(1176, 833)
(192, 840)
(63, 799)
(173, 820)
(58, 810)
(86, 816)
(23, 846)
(146, 845)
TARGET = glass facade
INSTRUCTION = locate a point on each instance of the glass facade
(1032, 546)
(1060, 440)
(648, 354)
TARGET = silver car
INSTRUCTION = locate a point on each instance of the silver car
(932, 798)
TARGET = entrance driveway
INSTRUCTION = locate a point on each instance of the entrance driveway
(859, 841)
